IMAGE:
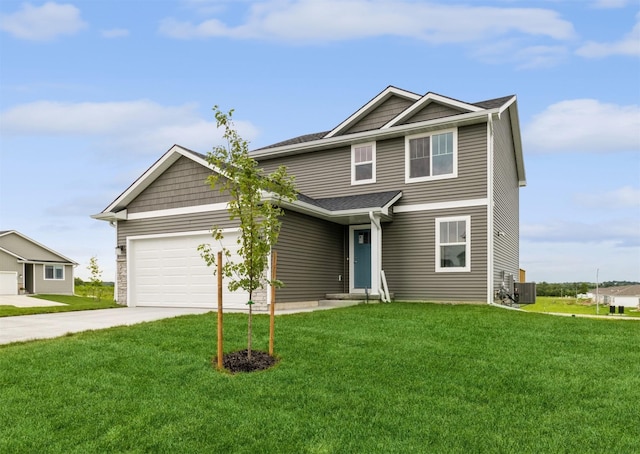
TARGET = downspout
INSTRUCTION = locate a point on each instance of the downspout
(114, 224)
(490, 202)
(384, 294)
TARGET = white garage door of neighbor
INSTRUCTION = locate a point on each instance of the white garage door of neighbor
(8, 283)
(169, 271)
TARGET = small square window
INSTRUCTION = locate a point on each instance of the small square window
(54, 272)
(363, 163)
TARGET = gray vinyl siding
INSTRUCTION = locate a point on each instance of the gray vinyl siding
(9, 263)
(381, 115)
(181, 185)
(506, 202)
(431, 112)
(408, 258)
(27, 249)
(327, 173)
(173, 224)
(311, 258)
(58, 287)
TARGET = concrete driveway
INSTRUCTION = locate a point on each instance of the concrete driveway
(26, 301)
(46, 326)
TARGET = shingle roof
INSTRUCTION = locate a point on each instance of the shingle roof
(352, 202)
(487, 104)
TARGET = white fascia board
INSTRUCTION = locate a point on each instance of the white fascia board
(517, 142)
(66, 260)
(385, 208)
(323, 213)
(6, 251)
(376, 134)
(441, 205)
(427, 99)
(111, 216)
(178, 211)
(381, 97)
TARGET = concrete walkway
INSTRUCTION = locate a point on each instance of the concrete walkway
(46, 326)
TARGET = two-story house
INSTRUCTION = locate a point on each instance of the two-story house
(416, 196)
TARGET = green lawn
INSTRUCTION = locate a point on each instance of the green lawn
(388, 378)
(73, 303)
(573, 306)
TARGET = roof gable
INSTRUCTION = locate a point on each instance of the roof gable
(148, 177)
(24, 248)
(371, 106)
(453, 105)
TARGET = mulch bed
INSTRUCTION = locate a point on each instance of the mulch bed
(239, 362)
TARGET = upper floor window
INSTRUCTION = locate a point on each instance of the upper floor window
(453, 244)
(363, 163)
(431, 157)
(54, 272)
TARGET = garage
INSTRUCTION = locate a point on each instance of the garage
(8, 283)
(169, 271)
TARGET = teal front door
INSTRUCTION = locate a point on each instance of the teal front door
(362, 259)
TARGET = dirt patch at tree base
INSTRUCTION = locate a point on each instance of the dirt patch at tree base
(238, 361)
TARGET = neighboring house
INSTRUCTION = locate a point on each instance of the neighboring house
(30, 267)
(621, 295)
(420, 189)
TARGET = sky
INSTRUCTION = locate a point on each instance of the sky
(92, 93)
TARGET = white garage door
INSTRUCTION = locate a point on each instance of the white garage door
(169, 271)
(8, 283)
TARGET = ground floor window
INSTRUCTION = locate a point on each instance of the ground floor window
(453, 244)
(54, 272)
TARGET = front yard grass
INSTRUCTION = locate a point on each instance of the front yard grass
(73, 303)
(387, 378)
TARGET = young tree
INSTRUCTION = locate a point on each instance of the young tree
(254, 203)
(95, 281)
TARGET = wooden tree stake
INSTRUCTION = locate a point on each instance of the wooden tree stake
(220, 365)
(272, 308)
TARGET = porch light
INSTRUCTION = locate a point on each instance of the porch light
(121, 250)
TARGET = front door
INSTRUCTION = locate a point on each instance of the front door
(362, 259)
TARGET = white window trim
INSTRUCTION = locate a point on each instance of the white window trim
(467, 267)
(373, 162)
(44, 272)
(407, 160)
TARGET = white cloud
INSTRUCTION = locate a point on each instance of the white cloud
(42, 23)
(581, 125)
(539, 56)
(621, 198)
(115, 33)
(333, 20)
(629, 45)
(131, 126)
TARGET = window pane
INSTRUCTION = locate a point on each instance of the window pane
(48, 272)
(419, 157)
(453, 256)
(363, 154)
(364, 172)
(462, 232)
(59, 272)
(444, 233)
(443, 154)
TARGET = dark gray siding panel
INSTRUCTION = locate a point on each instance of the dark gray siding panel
(431, 112)
(381, 115)
(328, 174)
(174, 224)
(181, 185)
(310, 258)
(408, 258)
(506, 202)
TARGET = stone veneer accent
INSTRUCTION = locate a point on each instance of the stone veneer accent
(121, 271)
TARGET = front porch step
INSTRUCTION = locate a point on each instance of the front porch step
(351, 296)
(342, 303)
(298, 305)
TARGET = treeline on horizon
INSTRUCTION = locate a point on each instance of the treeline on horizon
(573, 289)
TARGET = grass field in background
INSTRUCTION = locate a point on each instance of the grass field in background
(573, 306)
(385, 378)
(73, 303)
